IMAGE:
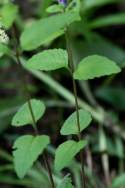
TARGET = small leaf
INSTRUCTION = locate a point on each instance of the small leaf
(4, 50)
(47, 29)
(55, 9)
(27, 150)
(23, 116)
(66, 183)
(74, 5)
(8, 14)
(95, 66)
(70, 125)
(65, 153)
(48, 60)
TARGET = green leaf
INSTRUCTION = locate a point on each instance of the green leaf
(43, 5)
(102, 141)
(115, 19)
(74, 5)
(119, 181)
(27, 150)
(23, 116)
(112, 95)
(55, 9)
(4, 50)
(87, 4)
(119, 147)
(70, 125)
(65, 153)
(114, 148)
(66, 183)
(95, 66)
(8, 14)
(47, 29)
(102, 47)
(48, 60)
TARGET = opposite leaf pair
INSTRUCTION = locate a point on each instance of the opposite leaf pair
(88, 68)
(28, 148)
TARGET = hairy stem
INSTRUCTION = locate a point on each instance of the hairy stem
(71, 66)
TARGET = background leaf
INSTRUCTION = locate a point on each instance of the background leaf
(8, 14)
(115, 19)
(112, 95)
(87, 4)
(66, 183)
(118, 181)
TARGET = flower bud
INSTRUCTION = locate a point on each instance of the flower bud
(63, 2)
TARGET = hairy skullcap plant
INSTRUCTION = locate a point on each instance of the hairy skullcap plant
(3, 37)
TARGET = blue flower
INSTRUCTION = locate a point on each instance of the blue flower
(64, 2)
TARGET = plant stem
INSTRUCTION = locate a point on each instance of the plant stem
(66, 94)
(71, 66)
(98, 114)
(87, 91)
(49, 169)
(27, 94)
(34, 124)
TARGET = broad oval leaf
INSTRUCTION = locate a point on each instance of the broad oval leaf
(70, 125)
(66, 151)
(49, 60)
(46, 29)
(66, 183)
(23, 116)
(8, 14)
(26, 151)
(95, 66)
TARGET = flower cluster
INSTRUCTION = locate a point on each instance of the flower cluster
(63, 2)
(3, 37)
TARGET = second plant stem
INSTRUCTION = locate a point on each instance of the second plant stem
(71, 67)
